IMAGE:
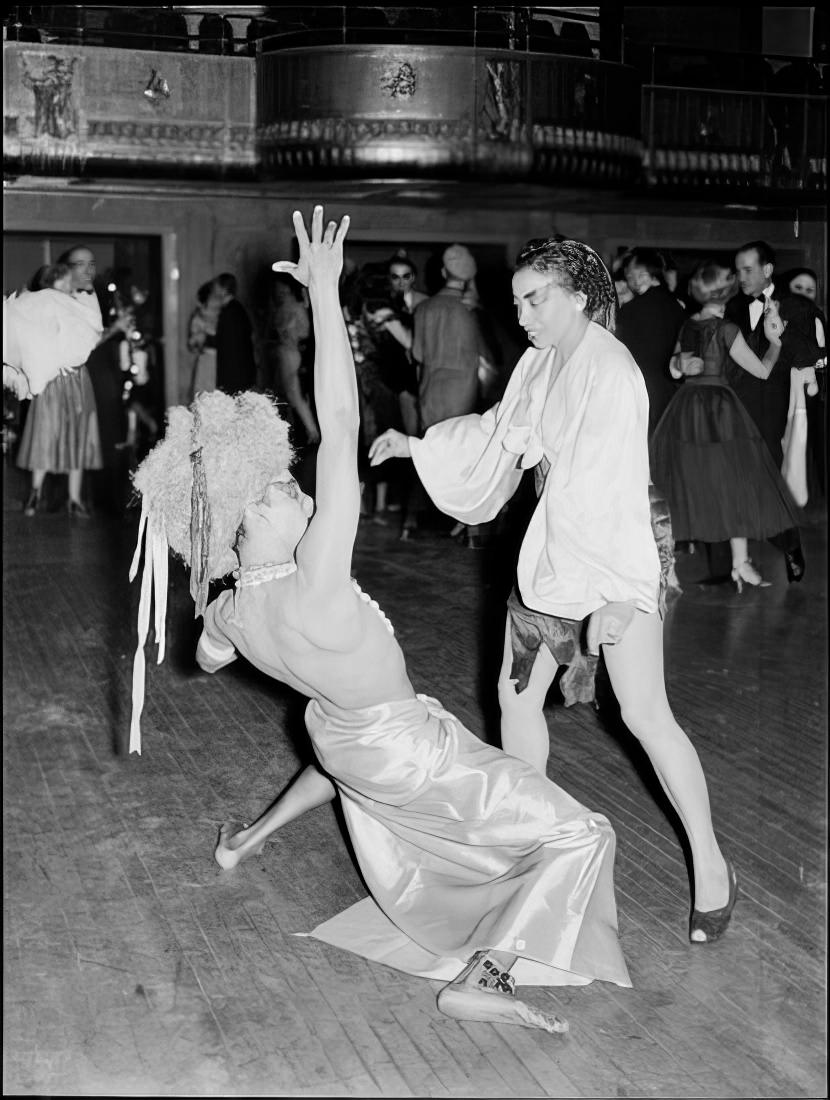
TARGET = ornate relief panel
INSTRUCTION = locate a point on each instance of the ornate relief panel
(65, 105)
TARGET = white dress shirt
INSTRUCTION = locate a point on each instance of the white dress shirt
(756, 308)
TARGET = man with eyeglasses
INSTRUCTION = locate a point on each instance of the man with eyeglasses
(401, 274)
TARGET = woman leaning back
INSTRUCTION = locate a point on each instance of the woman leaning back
(482, 871)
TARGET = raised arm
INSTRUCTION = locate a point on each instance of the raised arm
(747, 359)
(325, 553)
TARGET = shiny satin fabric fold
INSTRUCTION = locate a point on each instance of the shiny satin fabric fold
(464, 848)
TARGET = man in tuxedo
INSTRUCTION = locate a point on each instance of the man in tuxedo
(767, 401)
(235, 363)
(107, 486)
(648, 326)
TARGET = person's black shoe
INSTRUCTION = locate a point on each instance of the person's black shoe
(794, 561)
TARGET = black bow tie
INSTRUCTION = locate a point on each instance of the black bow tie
(760, 298)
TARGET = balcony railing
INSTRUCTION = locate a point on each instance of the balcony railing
(743, 141)
(334, 109)
(458, 90)
(276, 27)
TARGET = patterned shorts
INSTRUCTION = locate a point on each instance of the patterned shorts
(565, 638)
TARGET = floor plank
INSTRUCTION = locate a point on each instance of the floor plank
(133, 966)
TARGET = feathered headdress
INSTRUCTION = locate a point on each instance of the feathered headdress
(217, 456)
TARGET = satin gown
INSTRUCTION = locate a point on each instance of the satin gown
(462, 846)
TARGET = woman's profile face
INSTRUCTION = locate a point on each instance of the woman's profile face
(805, 285)
(544, 309)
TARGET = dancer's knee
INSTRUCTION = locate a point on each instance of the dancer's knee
(521, 703)
(650, 722)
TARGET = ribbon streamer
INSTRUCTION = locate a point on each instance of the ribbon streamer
(153, 584)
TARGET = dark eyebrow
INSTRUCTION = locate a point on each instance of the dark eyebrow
(530, 293)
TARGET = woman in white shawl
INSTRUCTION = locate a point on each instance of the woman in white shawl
(47, 338)
(590, 567)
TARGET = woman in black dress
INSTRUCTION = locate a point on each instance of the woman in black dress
(707, 456)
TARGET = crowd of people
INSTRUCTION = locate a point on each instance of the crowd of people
(731, 355)
(418, 358)
(734, 364)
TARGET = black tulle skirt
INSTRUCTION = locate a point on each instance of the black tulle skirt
(715, 470)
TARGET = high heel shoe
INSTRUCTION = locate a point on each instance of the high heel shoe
(706, 927)
(745, 572)
(794, 563)
(77, 510)
(32, 503)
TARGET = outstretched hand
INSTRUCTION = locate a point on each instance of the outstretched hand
(392, 444)
(321, 256)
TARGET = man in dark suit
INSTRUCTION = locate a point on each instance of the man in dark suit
(767, 402)
(648, 326)
(235, 363)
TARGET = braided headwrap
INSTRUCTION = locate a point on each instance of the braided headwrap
(575, 267)
(217, 456)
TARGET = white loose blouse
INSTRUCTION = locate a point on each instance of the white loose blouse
(590, 540)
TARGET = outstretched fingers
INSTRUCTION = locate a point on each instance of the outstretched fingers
(343, 229)
(320, 242)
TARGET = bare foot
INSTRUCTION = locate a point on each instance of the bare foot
(231, 848)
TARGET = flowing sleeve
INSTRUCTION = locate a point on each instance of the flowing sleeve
(472, 465)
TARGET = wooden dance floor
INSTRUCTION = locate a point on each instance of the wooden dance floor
(134, 966)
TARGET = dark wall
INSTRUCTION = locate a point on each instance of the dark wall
(724, 28)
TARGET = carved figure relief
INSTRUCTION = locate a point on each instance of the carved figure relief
(503, 107)
(55, 113)
(399, 81)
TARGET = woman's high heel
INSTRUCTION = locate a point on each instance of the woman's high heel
(32, 503)
(77, 510)
(706, 927)
(745, 572)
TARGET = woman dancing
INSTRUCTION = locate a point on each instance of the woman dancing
(707, 455)
(482, 871)
(576, 409)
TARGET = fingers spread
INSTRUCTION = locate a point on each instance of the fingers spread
(317, 224)
(343, 229)
(300, 229)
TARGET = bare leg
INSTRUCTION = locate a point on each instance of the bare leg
(742, 567)
(236, 842)
(75, 477)
(33, 500)
(485, 991)
(740, 551)
(524, 730)
(635, 666)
